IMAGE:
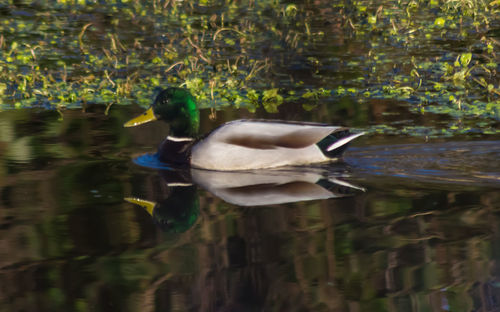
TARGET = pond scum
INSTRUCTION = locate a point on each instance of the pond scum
(432, 57)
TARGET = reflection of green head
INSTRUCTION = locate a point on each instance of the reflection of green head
(179, 211)
(175, 214)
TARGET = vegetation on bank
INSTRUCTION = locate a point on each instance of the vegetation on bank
(432, 57)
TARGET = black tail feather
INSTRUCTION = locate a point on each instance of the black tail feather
(329, 140)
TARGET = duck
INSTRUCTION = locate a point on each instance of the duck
(244, 144)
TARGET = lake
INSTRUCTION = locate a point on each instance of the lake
(399, 226)
(408, 220)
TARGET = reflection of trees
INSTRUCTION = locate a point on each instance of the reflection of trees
(380, 252)
(327, 259)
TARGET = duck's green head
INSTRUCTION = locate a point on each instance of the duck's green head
(177, 107)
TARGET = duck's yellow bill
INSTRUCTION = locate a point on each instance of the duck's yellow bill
(146, 204)
(147, 116)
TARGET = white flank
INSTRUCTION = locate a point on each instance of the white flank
(215, 153)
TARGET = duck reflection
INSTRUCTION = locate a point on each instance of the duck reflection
(179, 209)
(271, 187)
(176, 213)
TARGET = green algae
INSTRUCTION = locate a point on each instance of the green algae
(438, 57)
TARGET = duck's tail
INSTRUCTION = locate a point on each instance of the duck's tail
(343, 141)
(336, 143)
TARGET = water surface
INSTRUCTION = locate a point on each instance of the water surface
(423, 235)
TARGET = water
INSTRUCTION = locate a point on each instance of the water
(90, 221)
(399, 225)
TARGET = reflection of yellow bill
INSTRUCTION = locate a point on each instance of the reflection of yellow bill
(147, 116)
(146, 204)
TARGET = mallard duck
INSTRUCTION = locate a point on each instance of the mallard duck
(240, 144)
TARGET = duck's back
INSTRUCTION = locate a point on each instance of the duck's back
(253, 144)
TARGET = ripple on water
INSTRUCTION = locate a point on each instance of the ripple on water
(449, 162)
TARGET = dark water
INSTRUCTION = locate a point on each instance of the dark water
(397, 226)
